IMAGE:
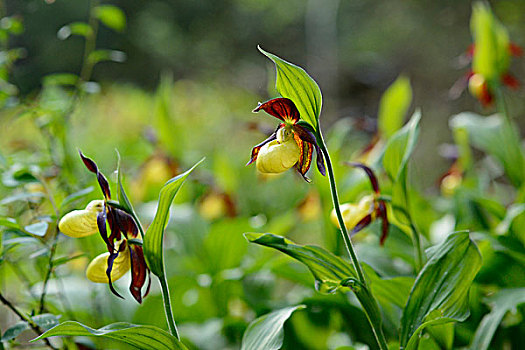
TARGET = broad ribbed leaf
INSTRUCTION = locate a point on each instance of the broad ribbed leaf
(393, 106)
(503, 301)
(498, 138)
(141, 337)
(266, 332)
(294, 83)
(328, 270)
(155, 233)
(44, 321)
(440, 293)
(400, 146)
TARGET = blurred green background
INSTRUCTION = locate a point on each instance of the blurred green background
(191, 77)
(354, 49)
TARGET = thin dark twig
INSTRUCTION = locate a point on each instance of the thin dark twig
(36, 328)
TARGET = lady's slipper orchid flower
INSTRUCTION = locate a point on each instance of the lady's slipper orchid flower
(490, 55)
(290, 145)
(81, 223)
(358, 216)
(123, 251)
(96, 270)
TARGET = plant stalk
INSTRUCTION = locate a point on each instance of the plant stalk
(27, 319)
(167, 306)
(376, 327)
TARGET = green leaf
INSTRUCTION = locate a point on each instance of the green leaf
(440, 293)
(102, 55)
(155, 233)
(9, 223)
(400, 146)
(60, 79)
(328, 270)
(266, 332)
(294, 83)
(122, 197)
(393, 106)
(75, 196)
(141, 337)
(44, 321)
(112, 17)
(502, 302)
(37, 229)
(498, 138)
(75, 28)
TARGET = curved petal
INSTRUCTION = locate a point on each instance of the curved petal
(308, 136)
(138, 272)
(370, 173)
(381, 212)
(102, 181)
(281, 108)
(305, 158)
(257, 148)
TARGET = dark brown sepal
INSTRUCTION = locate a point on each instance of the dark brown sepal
(306, 135)
(111, 259)
(369, 172)
(281, 108)
(381, 212)
(361, 224)
(138, 272)
(102, 181)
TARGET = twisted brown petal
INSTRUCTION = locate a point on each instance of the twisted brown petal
(102, 181)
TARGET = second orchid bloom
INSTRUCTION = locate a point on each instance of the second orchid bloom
(358, 216)
(124, 252)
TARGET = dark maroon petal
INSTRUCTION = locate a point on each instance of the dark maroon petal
(257, 148)
(126, 224)
(281, 108)
(305, 157)
(370, 173)
(111, 259)
(306, 135)
(114, 227)
(138, 272)
(381, 212)
(101, 223)
(361, 224)
(102, 181)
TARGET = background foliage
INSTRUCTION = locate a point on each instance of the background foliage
(171, 82)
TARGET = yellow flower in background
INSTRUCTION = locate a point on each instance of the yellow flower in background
(354, 213)
(96, 270)
(81, 223)
(358, 216)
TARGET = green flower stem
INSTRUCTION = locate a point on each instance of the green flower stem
(167, 306)
(376, 325)
(416, 241)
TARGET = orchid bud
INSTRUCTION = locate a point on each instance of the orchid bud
(354, 213)
(279, 155)
(81, 223)
(96, 270)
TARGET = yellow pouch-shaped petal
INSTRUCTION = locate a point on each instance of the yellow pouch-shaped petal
(96, 270)
(278, 155)
(81, 223)
(353, 213)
